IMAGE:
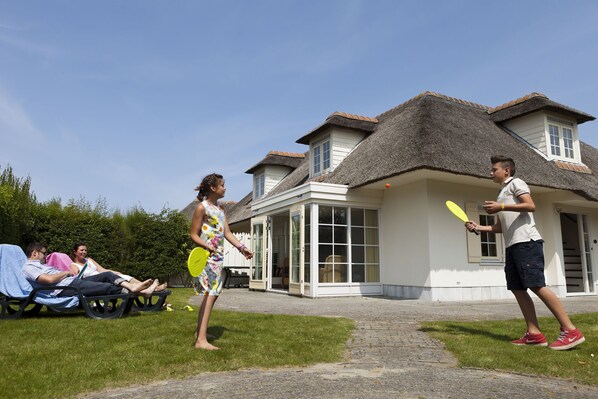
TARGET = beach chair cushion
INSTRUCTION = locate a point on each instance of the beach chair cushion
(14, 284)
(59, 261)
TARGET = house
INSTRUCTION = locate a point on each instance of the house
(362, 212)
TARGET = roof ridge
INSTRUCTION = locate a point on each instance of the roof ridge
(456, 100)
(516, 101)
(287, 154)
(437, 95)
(353, 116)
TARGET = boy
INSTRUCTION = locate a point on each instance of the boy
(524, 266)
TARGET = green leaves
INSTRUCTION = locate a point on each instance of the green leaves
(138, 243)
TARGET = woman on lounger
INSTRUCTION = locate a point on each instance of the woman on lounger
(79, 256)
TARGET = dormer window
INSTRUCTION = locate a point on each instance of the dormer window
(259, 185)
(321, 157)
(561, 136)
(563, 143)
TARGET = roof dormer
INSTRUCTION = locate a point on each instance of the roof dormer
(271, 170)
(550, 127)
(333, 140)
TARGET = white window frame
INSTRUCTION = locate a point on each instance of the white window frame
(474, 242)
(259, 185)
(566, 148)
(319, 164)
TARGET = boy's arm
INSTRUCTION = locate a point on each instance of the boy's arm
(495, 228)
(526, 204)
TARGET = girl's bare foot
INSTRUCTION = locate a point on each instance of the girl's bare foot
(161, 287)
(141, 286)
(206, 346)
(149, 290)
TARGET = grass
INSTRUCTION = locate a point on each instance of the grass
(486, 344)
(50, 356)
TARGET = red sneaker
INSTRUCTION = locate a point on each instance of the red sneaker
(567, 340)
(531, 339)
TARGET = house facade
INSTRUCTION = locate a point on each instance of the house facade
(362, 211)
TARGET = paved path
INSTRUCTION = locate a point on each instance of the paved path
(388, 357)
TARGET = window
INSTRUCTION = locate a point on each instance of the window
(555, 146)
(321, 157)
(365, 265)
(258, 185)
(488, 240)
(568, 142)
(562, 141)
(348, 249)
(487, 249)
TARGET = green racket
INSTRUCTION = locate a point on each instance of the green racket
(459, 213)
(197, 261)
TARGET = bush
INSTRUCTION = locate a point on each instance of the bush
(138, 243)
(16, 203)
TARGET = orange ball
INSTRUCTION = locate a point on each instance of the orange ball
(387, 185)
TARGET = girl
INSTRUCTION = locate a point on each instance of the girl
(208, 230)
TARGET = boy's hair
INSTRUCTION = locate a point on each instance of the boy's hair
(505, 162)
(35, 246)
(206, 185)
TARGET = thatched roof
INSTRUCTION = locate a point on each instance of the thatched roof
(534, 102)
(278, 158)
(240, 211)
(342, 119)
(435, 132)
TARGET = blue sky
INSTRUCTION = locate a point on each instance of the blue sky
(136, 101)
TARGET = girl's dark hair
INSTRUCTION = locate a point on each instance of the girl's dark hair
(75, 248)
(206, 185)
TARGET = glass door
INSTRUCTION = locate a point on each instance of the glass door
(296, 273)
(259, 248)
(586, 259)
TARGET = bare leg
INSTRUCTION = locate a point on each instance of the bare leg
(136, 287)
(553, 303)
(204, 317)
(526, 304)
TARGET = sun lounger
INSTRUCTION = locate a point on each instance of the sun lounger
(18, 297)
(140, 302)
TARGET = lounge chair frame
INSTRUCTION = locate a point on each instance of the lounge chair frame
(97, 307)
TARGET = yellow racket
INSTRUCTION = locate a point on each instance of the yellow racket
(197, 261)
(459, 213)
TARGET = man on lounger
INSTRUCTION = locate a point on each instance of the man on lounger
(38, 274)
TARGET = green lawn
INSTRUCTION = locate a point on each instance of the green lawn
(486, 344)
(50, 356)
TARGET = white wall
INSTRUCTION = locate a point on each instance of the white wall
(531, 128)
(342, 142)
(449, 264)
(424, 247)
(274, 174)
(404, 236)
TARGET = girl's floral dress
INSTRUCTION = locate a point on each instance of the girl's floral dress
(212, 232)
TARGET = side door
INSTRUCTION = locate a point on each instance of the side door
(259, 235)
(296, 259)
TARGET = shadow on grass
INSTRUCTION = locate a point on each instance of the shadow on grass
(456, 329)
